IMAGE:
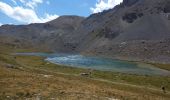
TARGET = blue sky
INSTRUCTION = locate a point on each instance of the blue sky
(39, 11)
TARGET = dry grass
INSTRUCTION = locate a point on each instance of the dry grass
(17, 84)
(163, 66)
(147, 81)
(33, 78)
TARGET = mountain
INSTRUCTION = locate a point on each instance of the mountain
(134, 30)
(51, 35)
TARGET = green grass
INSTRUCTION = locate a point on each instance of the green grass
(7, 59)
(163, 66)
(66, 82)
(143, 80)
(30, 82)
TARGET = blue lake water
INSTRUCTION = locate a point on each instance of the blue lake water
(99, 63)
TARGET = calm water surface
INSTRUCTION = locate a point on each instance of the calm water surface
(99, 63)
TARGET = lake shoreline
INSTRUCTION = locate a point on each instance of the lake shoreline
(161, 65)
(66, 76)
(47, 57)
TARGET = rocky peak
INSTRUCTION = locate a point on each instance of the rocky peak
(66, 21)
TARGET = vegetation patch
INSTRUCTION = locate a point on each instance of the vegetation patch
(163, 66)
(38, 79)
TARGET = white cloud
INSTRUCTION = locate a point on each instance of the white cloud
(104, 5)
(14, 2)
(22, 1)
(1, 24)
(24, 15)
(48, 17)
(31, 3)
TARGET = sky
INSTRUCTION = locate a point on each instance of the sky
(40, 11)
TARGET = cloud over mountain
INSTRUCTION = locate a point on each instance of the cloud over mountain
(104, 5)
(24, 15)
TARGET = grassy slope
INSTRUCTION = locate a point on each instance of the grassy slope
(163, 66)
(30, 80)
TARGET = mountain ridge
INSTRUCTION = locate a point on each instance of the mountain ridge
(135, 30)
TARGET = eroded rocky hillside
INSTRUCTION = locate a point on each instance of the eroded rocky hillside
(133, 30)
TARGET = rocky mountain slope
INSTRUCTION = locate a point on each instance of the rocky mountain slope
(52, 35)
(133, 30)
